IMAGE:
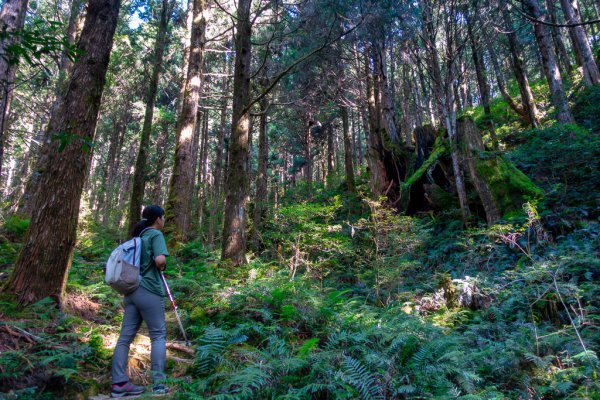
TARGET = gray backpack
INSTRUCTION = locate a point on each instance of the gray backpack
(123, 266)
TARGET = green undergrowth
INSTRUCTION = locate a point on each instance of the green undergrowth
(347, 299)
(564, 161)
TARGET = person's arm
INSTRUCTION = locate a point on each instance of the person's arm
(161, 262)
(159, 248)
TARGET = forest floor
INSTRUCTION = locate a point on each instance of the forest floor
(348, 300)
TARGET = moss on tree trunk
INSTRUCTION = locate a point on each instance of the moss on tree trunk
(500, 186)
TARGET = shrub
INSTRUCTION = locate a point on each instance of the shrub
(586, 108)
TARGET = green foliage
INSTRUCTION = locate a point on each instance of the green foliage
(563, 161)
(586, 110)
(16, 226)
(346, 300)
(36, 40)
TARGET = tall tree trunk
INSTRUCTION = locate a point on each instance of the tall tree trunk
(559, 43)
(347, 150)
(12, 19)
(234, 225)
(559, 98)
(450, 118)
(216, 202)
(203, 184)
(308, 167)
(181, 187)
(519, 70)
(114, 157)
(43, 263)
(591, 75)
(139, 175)
(378, 177)
(444, 91)
(108, 170)
(161, 158)
(406, 122)
(26, 163)
(482, 83)
(330, 166)
(261, 175)
(71, 34)
(359, 130)
(501, 82)
(471, 145)
(387, 108)
(186, 44)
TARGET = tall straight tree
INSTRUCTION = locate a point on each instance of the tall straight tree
(379, 179)
(480, 72)
(519, 69)
(181, 188)
(216, 197)
(591, 75)
(12, 19)
(443, 80)
(139, 176)
(261, 173)
(42, 266)
(559, 43)
(559, 98)
(234, 224)
(349, 168)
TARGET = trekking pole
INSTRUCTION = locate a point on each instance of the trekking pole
(187, 343)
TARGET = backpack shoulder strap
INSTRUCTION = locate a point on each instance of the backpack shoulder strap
(143, 231)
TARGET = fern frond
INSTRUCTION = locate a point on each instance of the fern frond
(357, 376)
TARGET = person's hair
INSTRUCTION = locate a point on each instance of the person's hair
(149, 216)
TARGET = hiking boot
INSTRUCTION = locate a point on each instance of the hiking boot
(159, 388)
(127, 389)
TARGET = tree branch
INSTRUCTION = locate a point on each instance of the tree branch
(539, 21)
(298, 61)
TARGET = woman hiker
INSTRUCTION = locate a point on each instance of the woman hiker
(146, 303)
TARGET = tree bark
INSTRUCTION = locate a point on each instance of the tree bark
(559, 98)
(203, 184)
(139, 176)
(591, 75)
(387, 108)
(181, 188)
(328, 127)
(444, 91)
(71, 34)
(157, 193)
(186, 44)
(308, 167)
(234, 236)
(378, 177)
(216, 200)
(347, 150)
(42, 265)
(482, 83)
(406, 121)
(520, 71)
(559, 43)
(500, 80)
(260, 201)
(471, 145)
(12, 19)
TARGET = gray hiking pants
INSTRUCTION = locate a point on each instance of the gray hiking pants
(142, 305)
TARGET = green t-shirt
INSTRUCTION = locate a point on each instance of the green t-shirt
(153, 244)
